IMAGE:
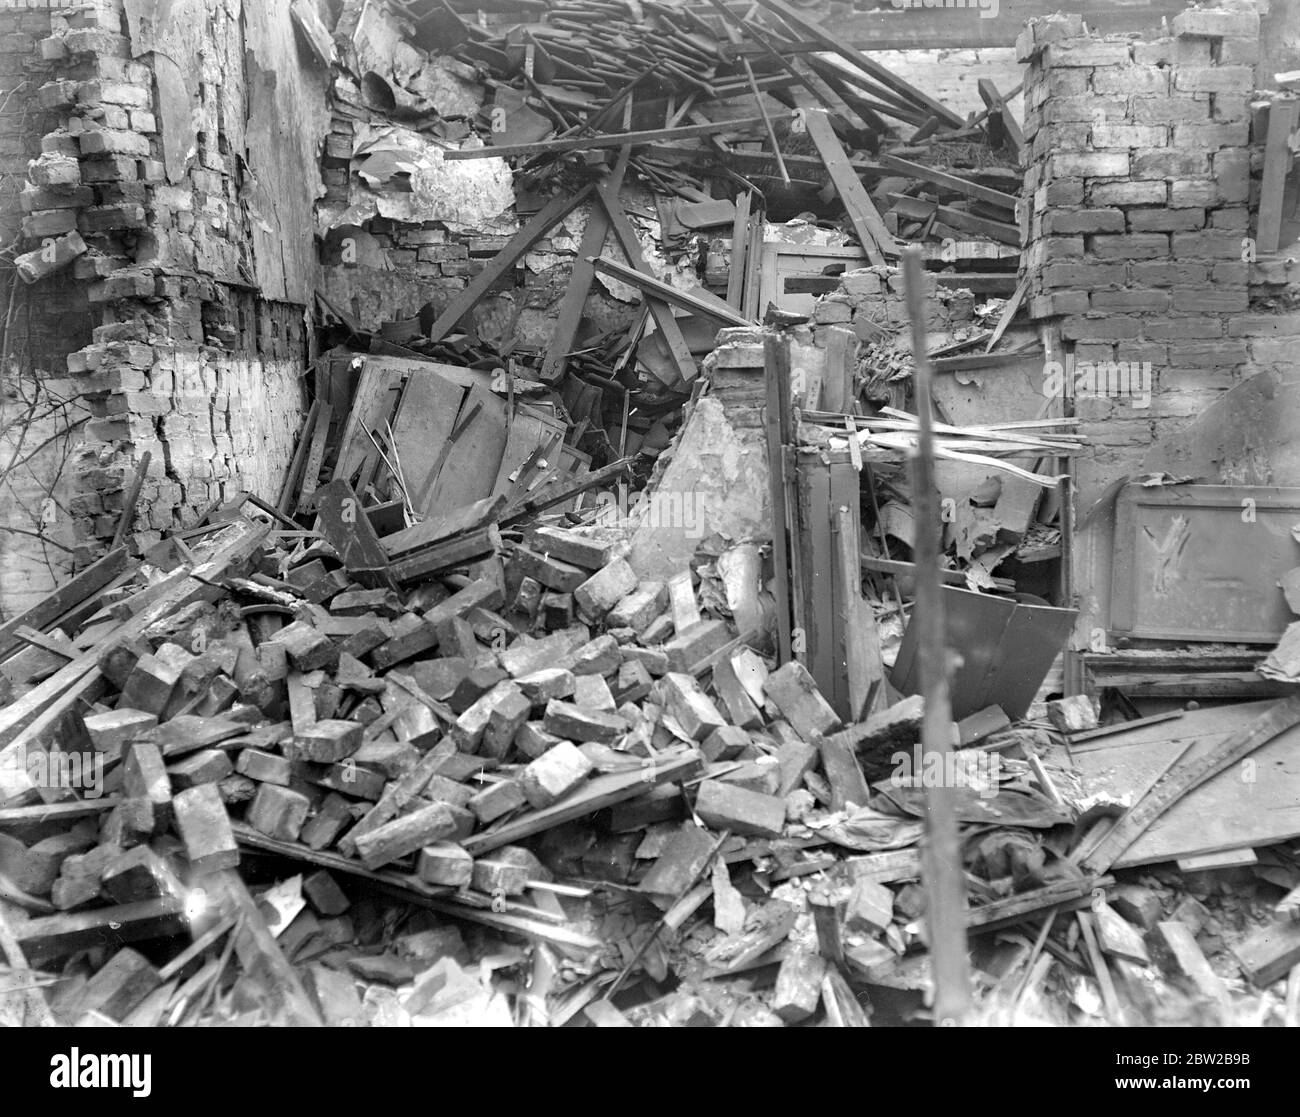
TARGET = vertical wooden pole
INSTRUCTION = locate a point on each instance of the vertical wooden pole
(776, 351)
(941, 864)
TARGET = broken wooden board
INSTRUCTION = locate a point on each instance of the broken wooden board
(72, 593)
(597, 794)
(469, 472)
(867, 224)
(1233, 787)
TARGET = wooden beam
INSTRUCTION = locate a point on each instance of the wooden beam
(315, 456)
(555, 211)
(595, 795)
(739, 243)
(24, 978)
(777, 422)
(942, 873)
(72, 593)
(711, 307)
(949, 182)
(918, 209)
(56, 936)
(674, 342)
(836, 44)
(1282, 118)
(1008, 127)
(610, 139)
(870, 230)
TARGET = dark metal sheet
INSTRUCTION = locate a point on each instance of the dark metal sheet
(1006, 648)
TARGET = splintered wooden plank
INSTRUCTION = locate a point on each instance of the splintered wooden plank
(72, 593)
(293, 476)
(917, 209)
(949, 182)
(1008, 127)
(697, 301)
(343, 524)
(739, 242)
(613, 139)
(595, 795)
(862, 660)
(377, 392)
(56, 936)
(659, 311)
(315, 455)
(1185, 777)
(260, 956)
(22, 977)
(870, 230)
(1282, 118)
(546, 218)
(437, 528)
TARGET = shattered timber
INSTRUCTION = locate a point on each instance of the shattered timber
(649, 513)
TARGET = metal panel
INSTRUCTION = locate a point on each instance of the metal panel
(1006, 649)
(1202, 562)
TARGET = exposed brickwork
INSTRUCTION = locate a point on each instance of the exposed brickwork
(1136, 242)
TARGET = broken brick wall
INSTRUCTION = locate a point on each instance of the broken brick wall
(1140, 253)
(197, 262)
(1137, 237)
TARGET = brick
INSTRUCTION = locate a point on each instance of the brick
(572, 547)
(551, 572)
(1085, 108)
(554, 774)
(114, 143)
(411, 635)
(600, 656)
(265, 767)
(870, 907)
(1066, 222)
(1181, 274)
(540, 687)
(1090, 165)
(725, 743)
(144, 776)
(591, 692)
(1133, 246)
(476, 682)
(1233, 219)
(1198, 300)
(204, 766)
(798, 987)
(639, 607)
(278, 812)
(604, 589)
(688, 706)
(110, 730)
(655, 660)
(1132, 79)
(572, 723)
(1175, 163)
(307, 647)
(1214, 79)
(446, 864)
(695, 643)
(1196, 195)
(1132, 300)
(118, 986)
(1214, 353)
(792, 690)
(1206, 23)
(1211, 136)
(1213, 244)
(324, 894)
(724, 806)
(1232, 175)
(1130, 135)
(472, 725)
(504, 872)
(504, 720)
(49, 223)
(532, 740)
(332, 817)
(1064, 192)
(1175, 110)
(205, 829)
(632, 683)
(1102, 328)
(1168, 329)
(140, 874)
(405, 835)
(327, 741)
(1086, 53)
(497, 799)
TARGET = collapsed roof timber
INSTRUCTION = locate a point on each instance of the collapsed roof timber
(712, 522)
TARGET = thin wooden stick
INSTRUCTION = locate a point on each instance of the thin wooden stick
(941, 866)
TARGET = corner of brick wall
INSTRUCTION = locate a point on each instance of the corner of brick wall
(1137, 237)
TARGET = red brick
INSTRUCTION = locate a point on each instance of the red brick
(1169, 110)
(1129, 194)
(1176, 162)
(1067, 222)
(1152, 274)
(1101, 328)
(1174, 328)
(1133, 300)
(1084, 275)
(1211, 136)
(1165, 220)
(1214, 79)
(1198, 300)
(1215, 245)
(1202, 23)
